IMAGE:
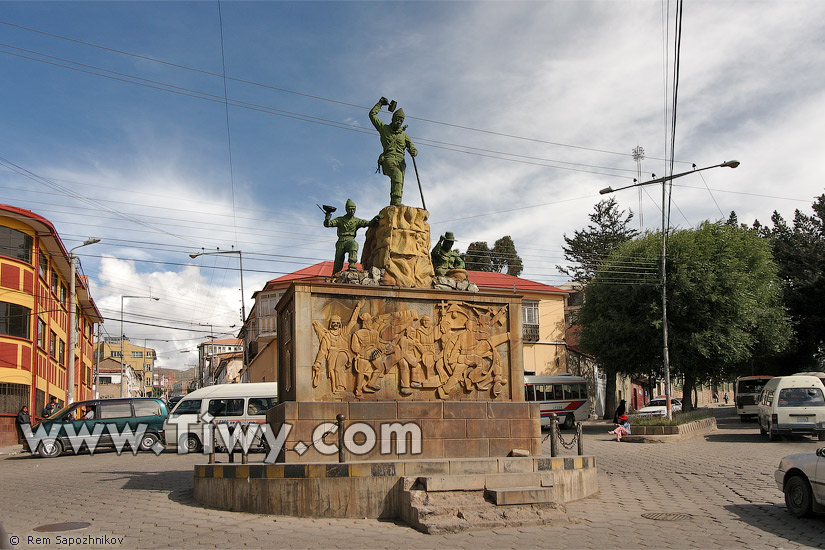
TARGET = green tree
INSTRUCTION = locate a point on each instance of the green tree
(589, 247)
(503, 255)
(724, 306)
(799, 251)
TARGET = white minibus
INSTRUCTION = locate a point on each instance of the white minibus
(227, 403)
(564, 394)
(791, 405)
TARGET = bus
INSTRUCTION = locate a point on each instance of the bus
(564, 394)
(746, 395)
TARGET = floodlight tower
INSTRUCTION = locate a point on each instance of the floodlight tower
(638, 156)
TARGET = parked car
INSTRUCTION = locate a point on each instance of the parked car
(658, 407)
(802, 478)
(119, 413)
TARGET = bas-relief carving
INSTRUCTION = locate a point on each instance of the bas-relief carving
(458, 348)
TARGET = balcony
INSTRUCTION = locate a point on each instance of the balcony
(530, 333)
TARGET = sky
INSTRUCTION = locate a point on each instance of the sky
(171, 128)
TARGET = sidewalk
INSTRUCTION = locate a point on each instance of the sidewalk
(11, 450)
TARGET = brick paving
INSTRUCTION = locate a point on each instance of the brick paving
(723, 482)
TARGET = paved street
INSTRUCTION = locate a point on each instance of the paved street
(722, 482)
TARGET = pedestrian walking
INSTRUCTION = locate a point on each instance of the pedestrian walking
(726, 398)
(622, 427)
(715, 397)
(22, 418)
(51, 408)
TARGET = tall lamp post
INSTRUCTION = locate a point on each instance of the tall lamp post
(122, 364)
(72, 321)
(240, 269)
(665, 224)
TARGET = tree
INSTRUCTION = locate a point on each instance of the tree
(589, 247)
(479, 257)
(724, 306)
(799, 251)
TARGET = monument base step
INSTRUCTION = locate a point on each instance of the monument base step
(433, 508)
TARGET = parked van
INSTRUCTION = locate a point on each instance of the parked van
(118, 413)
(792, 405)
(227, 403)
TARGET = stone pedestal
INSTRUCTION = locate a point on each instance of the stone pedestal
(440, 370)
(400, 244)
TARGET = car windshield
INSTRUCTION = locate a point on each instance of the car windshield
(657, 403)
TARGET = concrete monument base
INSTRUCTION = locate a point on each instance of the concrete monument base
(431, 495)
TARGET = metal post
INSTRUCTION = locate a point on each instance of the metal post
(554, 434)
(340, 419)
(579, 438)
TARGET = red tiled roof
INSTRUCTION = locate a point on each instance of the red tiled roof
(483, 279)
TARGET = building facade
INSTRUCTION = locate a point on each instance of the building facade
(140, 358)
(35, 273)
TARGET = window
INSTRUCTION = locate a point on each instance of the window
(137, 355)
(54, 282)
(14, 320)
(41, 333)
(44, 266)
(801, 397)
(530, 320)
(13, 397)
(147, 408)
(529, 393)
(226, 407)
(16, 244)
(52, 343)
(104, 379)
(62, 294)
(188, 406)
(61, 352)
(259, 405)
(118, 409)
(114, 353)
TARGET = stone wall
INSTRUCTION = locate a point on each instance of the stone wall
(400, 245)
(428, 430)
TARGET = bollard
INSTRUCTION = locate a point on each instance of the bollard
(245, 450)
(340, 419)
(554, 434)
(212, 450)
(579, 438)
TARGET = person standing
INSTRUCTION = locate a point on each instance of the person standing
(726, 398)
(22, 418)
(51, 408)
(347, 226)
(620, 410)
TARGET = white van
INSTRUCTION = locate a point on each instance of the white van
(227, 403)
(792, 405)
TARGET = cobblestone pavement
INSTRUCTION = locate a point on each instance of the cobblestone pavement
(723, 482)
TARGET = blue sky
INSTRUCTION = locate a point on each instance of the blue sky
(521, 112)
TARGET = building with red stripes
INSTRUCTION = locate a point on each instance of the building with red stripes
(34, 319)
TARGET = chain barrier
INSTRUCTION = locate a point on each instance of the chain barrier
(573, 441)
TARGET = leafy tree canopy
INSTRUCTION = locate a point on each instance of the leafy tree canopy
(589, 247)
(503, 255)
(799, 251)
(724, 305)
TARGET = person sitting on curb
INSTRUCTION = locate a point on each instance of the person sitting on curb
(622, 428)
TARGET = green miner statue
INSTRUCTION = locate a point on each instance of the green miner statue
(347, 226)
(395, 141)
(445, 259)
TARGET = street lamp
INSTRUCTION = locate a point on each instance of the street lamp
(665, 224)
(72, 321)
(240, 268)
(122, 364)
